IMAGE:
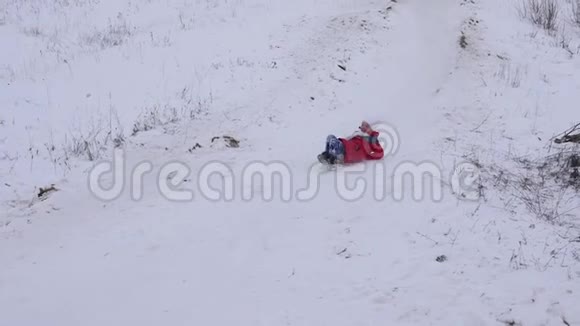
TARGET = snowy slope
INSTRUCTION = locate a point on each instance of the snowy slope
(266, 73)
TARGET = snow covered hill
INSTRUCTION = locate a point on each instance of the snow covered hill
(217, 212)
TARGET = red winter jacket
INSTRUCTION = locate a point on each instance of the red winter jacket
(361, 148)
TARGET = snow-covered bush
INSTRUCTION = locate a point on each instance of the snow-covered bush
(575, 13)
(182, 108)
(91, 141)
(547, 186)
(543, 13)
(154, 117)
(117, 33)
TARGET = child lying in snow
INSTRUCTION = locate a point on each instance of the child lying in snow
(355, 149)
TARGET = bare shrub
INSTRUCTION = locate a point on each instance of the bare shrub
(184, 107)
(575, 12)
(162, 41)
(564, 43)
(186, 22)
(511, 74)
(93, 144)
(154, 117)
(87, 145)
(547, 186)
(92, 141)
(32, 31)
(116, 34)
(543, 13)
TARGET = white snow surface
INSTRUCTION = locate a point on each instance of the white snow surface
(84, 72)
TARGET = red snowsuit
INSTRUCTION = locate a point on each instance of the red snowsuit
(361, 148)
